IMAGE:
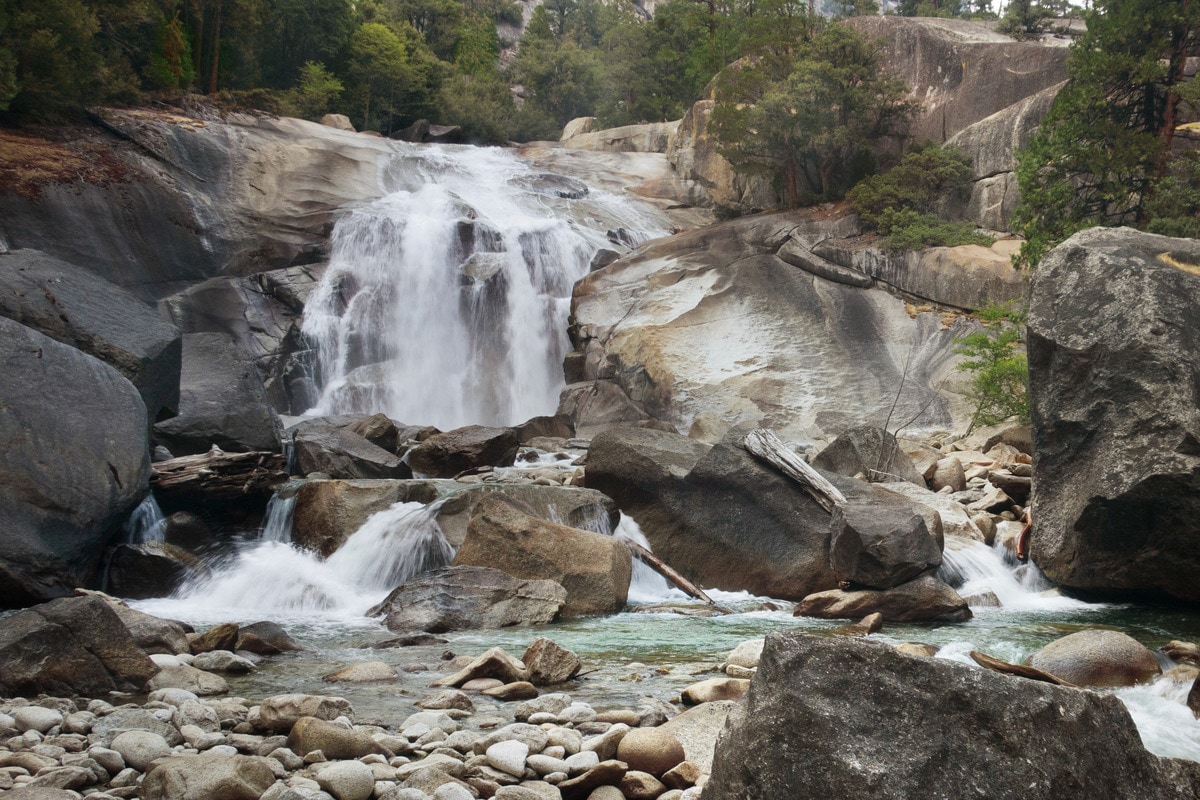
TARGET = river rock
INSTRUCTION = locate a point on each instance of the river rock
(265, 638)
(140, 748)
(1113, 366)
(879, 543)
(962, 726)
(593, 569)
(952, 515)
(87, 424)
(714, 690)
(445, 455)
(134, 719)
(347, 780)
(149, 569)
(948, 473)
(36, 718)
(867, 450)
(548, 663)
(495, 663)
(651, 750)
(339, 452)
(310, 733)
(1097, 658)
(223, 661)
(222, 401)
(606, 773)
(465, 598)
(280, 712)
(208, 777)
(70, 646)
(185, 676)
(218, 637)
(82, 310)
(366, 672)
(923, 599)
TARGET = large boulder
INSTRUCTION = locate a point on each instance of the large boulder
(150, 569)
(647, 138)
(727, 520)
(880, 543)
(79, 308)
(858, 719)
(445, 455)
(870, 451)
(339, 452)
(923, 599)
(594, 569)
(221, 401)
(709, 330)
(73, 645)
(75, 462)
(1097, 658)
(468, 598)
(1114, 361)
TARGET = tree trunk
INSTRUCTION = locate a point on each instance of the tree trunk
(767, 446)
(216, 46)
(668, 572)
(1175, 76)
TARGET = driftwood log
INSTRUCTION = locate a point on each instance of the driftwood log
(766, 445)
(662, 568)
(217, 475)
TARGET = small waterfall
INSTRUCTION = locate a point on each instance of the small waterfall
(146, 523)
(1165, 723)
(446, 302)
(277, 525)
(646, 585)
(976, 570)
(392, 546)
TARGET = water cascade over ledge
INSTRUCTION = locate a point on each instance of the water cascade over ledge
(446, 301)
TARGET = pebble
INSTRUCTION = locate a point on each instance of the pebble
(36, 718)
(509, 757)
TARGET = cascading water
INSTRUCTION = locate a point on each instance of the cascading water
(146, 523)
(978, 571)
(277, 524)
(446, 302)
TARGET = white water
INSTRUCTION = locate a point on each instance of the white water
(974, 569)
(446, 302)
(277, 525)
(645, 585)
(146, 523)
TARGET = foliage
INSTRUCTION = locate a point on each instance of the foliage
(807, 111)
(317, 92)
(1173, 205)
(928, 173)
(1108, 135)
(1024, 19)
(996, 362)
(908, 229)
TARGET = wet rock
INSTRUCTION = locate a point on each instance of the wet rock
(1184, 652)
(594, 569)
(309, 734)
(868, 450)
(963, 727)
(280, 712)
(922, 599)
(495, 663)
(1113, 368)
(208, 777)
(464, 598)
(150, 569)
(1097, 658)
(548, 663)
(650, 750)
(366, 672)
(218, 637)
(340, 453)
(87, 425)
(715, 689)
(70, 646)
(445, 455)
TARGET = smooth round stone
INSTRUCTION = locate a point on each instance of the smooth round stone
(452, 791)
(582, 762)
(222, 750)
(36, 718)
(542, 717)
(479, 684)
(140, 748)
(111, 760)
(347, 780)
(650, 750)
(508, 757)
(544, 765)
(577, 713)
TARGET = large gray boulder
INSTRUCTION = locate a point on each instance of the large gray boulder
(1114, 361)
(75, 462)
(222, 401)
(81, 309)
(208, 777)
(1097, 658)
(73, 645)
(868, 450)
(710, 329)
(727, 520)
(856, 718)
(594, 569)
(339, 452)
(445, 455)
(468, 598)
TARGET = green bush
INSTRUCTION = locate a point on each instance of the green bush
(906, 229)
(997, 364)
(928, 173)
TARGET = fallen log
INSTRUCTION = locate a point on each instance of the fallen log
(767, 446)
(1020, 670)
(662, 568)
(218, 475)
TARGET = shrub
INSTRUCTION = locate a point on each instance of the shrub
(997, 364)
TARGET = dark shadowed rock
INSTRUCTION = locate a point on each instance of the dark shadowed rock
(594, 569)
(867, 450)
(73, 645)
(340, 452)
(880, 543)
(445, 455)
(75, 461)
(558, 426)
(221, 402)
(858, 719)
(1114, 361)
(152, 634)
(80, 309)
(1097, 658)
(149, 569)
(465, 598)
(265, 638)
(923, 599)
(218, 637)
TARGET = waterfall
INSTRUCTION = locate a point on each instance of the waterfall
(277, 525)
(993, 577)
(645, 585)
(446, 302)
(146, 523)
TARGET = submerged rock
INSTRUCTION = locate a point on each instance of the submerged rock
(465, 598)
(1114, 361)
(929, 723)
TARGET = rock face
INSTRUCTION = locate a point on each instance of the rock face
(1097, 658)
(594, 569)
(466, 598)
(73, 645)
(80, 309)
(924, 723)
(86, 424)
(726, 520)
(1113, 368)
(221, 402)
(710, 329)
(649, 138)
